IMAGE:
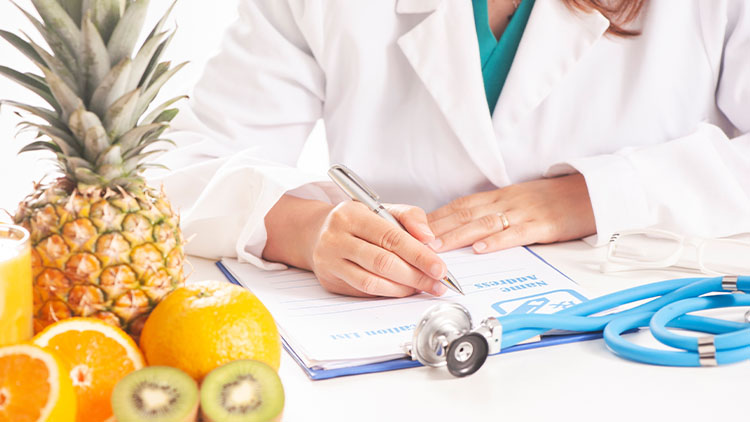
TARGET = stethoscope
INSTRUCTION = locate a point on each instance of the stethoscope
(445, 336)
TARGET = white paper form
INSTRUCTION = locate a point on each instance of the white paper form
(328, 331)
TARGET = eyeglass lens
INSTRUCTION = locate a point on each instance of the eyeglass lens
(645, 248)
(726, 256)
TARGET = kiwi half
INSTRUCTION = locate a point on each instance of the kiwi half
(156, 394)
(243, 390)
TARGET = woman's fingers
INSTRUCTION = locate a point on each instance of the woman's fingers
(390, 266)
(539, 211)
(369, 283)
(462, 217)
(388, 236)
(519, 234)
(475, 230)
(336, 285)
(463, 203)
(374, 256)
(414, 220)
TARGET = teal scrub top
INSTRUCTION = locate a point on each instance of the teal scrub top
(497, 55)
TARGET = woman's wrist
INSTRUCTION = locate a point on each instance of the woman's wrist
(292, 228)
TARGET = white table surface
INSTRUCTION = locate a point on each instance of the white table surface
(579, 381)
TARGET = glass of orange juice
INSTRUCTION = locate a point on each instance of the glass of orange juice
(16, 292)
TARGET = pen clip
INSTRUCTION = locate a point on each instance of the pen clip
(354, 179)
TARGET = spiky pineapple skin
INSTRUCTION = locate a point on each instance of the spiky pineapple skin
(103, 253)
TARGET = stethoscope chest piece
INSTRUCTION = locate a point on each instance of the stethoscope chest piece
(467, 354)
(444, 336)
(439, 326)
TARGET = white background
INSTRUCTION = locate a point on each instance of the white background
(201, 25)
(580, 381)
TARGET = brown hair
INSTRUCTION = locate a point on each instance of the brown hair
(619, 13)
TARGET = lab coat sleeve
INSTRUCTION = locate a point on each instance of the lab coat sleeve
(698, 184)
(241, 136)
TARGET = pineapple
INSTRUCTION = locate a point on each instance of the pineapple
(105, 244)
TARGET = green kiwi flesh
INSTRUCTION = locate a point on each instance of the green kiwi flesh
(156, 394)
(243, 390)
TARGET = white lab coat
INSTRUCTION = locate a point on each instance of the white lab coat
(658, 124)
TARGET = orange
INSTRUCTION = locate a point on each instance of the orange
(98, 355)
(34, 386)
(207, 324)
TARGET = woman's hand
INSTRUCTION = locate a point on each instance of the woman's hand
(540, 211)
(353, 251)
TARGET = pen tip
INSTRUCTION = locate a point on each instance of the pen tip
(452, 283)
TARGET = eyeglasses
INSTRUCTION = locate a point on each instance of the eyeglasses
(655, 248)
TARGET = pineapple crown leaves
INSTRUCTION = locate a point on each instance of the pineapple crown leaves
(98, 85)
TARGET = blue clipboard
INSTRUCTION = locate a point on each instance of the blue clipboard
(390, 365)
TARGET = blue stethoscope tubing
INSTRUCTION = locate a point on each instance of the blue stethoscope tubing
(670, 302)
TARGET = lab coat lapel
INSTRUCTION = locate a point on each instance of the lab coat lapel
(443, 51)
(553, 42)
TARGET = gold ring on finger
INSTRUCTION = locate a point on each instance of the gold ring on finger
(504, 220)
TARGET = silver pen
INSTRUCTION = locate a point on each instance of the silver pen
(356, 189)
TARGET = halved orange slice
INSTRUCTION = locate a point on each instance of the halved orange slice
(34, 386)
(98, 355)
